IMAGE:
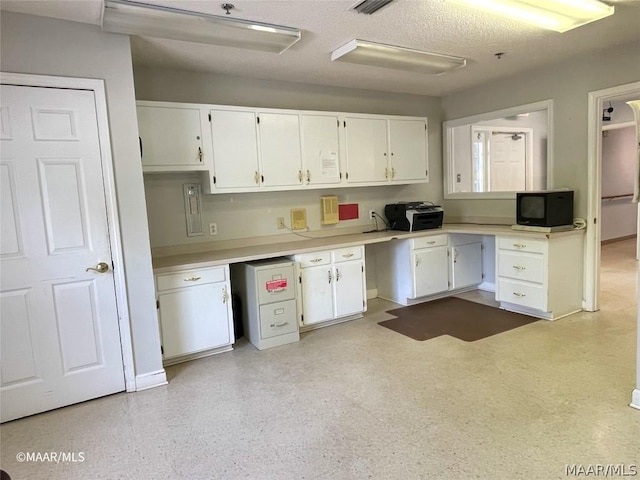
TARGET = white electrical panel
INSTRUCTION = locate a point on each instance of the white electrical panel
(193, 209)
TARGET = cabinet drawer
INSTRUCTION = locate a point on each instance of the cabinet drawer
(188, 278)
(276, 284)
(278, 319)
(522, 244)
(314, 259)
(520, 293)
(346, 254)
(522, 266)
(430, 241)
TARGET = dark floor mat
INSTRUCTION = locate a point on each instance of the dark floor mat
(468, 321)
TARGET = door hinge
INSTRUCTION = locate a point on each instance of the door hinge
(157, 304)
(214, 180)
(482, 275)
(209, 117)
(113, 265)
(340, 175)
(161, 349)
(425, 127)
(595, 220)
(300, 278)
(258, 119)
(345, 124)
(362, 268)
(301, 318)
(338, 122)
(362, 303)
(346, 175)
(426, 173)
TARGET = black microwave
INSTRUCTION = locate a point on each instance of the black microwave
(548, 208)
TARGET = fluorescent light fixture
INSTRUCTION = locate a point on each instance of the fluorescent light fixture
(398, 58)
(136, 18)
(558, 15)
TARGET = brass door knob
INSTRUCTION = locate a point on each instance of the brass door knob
(102, 267)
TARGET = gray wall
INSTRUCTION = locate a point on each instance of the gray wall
(45, 46)
(568, 84)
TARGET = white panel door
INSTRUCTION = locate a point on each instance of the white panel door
(317, 294)
(280, 149)
(408, 148)
(431, 271)
(507, 163)
(320, 149)
(366, 146)
(235, 149)
(349, 289)
(59, 322)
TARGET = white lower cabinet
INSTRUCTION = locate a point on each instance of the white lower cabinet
(540, 277)
(332, 285)
(195, 313)
(465, 261)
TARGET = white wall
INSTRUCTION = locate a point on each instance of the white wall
(619, 216)
(568, 84)
(254, 214)
(45, 46)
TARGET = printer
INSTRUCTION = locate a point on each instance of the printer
(413, 216)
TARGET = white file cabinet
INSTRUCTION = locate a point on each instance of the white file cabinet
(268, 297)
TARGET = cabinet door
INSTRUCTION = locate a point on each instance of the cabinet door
(408, 149)
(195, 319)
(320, 149)
(349, 288)
(235, 149)
(366, 146)
(431, 271)
(170, 137)
(466, 265)
(280, 149)
(317, 294)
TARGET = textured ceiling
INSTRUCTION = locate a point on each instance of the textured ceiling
(435, 25)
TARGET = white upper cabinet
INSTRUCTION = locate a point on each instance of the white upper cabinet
(235, 150)
(246, 149)
(171, 138)
(279, 141)
(408, 148)
(383, 150)
(320, 137)
(367, 149)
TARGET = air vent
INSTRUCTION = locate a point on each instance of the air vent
(370, 6)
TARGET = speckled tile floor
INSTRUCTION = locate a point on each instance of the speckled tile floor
(356, 401)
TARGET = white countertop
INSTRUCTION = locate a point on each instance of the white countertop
(214, 257)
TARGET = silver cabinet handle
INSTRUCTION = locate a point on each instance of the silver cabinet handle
(102, 267)
(192, 279)
(519, 267)
(308, 176)
(256, 178)
(200, 154)
(338, 275)
(431, 242)
(282, 324)
(393, 171)
(330, 276)
(316, 260)
(347, 255)
(225, 295)
(386, 172)
(300, 176)
(518, 294)
(519, 245)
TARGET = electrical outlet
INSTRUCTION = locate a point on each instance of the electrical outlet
(213, 229)
(280, 223)
(371, 212)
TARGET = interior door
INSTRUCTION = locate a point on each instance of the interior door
(507, 162)
(60, 341)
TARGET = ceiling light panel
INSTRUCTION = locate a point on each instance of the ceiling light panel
(397, 58)
(370, 7)
(136, 18)
(557, 15)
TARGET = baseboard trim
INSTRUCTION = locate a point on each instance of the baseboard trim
(373, 293)
(151, 380)
(635, 399)
(618, 239)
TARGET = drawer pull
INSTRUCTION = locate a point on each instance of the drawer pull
(518, 294)
(519, 267)
(316, 260)
(347, 255)
(192, 279)
(338, 275)
(225, 295)
(277, 290)
(330, 276)
(281, 324)
(431, 242)
(519, 245)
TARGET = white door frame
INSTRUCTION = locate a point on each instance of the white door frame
(122, 305)
(594, 165)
